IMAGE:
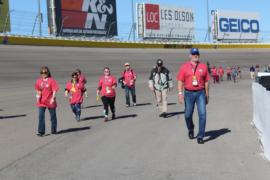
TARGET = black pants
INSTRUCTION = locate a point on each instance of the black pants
(108, 101)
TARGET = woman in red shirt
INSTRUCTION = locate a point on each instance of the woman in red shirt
(46, 88)
(74, 90)
(106, 89)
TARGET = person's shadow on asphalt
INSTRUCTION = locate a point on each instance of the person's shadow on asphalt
(211, 135)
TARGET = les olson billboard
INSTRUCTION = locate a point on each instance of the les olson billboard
(156, 21)
(85, 17)
(230, 25)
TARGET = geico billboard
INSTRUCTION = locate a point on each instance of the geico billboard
(86, 17)
(165, 22)
(237, 25)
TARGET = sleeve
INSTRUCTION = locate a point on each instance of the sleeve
(151, 74)
(181, 74)
(67, 87)
(55, 86)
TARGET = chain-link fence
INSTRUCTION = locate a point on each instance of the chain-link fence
(27, 23)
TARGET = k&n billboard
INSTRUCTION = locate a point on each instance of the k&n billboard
(85, 17)
(231, 25)
(156, 21)
(4, 16)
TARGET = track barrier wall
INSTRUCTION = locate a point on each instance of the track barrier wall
(37, 41)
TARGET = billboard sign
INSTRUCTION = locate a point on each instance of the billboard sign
(156, 21)
(239, 26)
(4, 16)
(86, 17)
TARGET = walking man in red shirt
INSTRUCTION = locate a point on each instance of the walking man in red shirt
(193, 88)
(129, 78)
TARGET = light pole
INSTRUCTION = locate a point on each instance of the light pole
(208, 23)
(133, 19)
(62, 24)
(108, 33)
(7, 16)
(39, 18)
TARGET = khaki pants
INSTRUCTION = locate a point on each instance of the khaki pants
(161, 97)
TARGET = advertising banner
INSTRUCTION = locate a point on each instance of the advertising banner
(4, 16)
(239, 26)
(156, 21)
(86, 17)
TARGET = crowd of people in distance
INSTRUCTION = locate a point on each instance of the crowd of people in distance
(217, 73)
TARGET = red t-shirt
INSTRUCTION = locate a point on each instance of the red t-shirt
(46, 89)
(221, 71)
(229, 70)
(186, 73)
(82, 79)
(129, 77)
(214, 71)
(106, 83)
(76, 92)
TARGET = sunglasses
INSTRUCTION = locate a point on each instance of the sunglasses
(44, 72)
(106, 71)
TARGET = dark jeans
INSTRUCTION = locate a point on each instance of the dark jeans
(76, 109)
(198, 97)
(132, 92)
(229, 77)
(108, 101)
(41, 124)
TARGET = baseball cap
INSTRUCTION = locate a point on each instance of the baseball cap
(159, 62)
(126, 64)
(194, 51)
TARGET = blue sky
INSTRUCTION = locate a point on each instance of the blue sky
(124, 11)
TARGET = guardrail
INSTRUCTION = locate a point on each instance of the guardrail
(115, 43)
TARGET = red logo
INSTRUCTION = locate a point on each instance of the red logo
(152, 16)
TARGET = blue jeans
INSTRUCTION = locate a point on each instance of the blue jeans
(198, 97)
(76, 109)
(132, 92)
(41, 124)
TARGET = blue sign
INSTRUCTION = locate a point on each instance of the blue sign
(239, 25)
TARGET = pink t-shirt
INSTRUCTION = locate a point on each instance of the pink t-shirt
(46, 88)
(129, 77)
(229, 70)
(106, 83)
(75, 91)
(186, 73)
(214, 71)
(221, 71)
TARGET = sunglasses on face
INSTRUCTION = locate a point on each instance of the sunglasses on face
(106, 71)
(44, 72)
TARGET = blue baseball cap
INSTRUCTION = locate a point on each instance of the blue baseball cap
(195, 51)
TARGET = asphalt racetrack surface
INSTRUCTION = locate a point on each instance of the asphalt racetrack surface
(138, 145)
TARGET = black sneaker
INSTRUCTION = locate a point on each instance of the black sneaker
(161, 115)
(113, 116)
(200, 141)
(165, 115)
(191, 135)
(40, 134)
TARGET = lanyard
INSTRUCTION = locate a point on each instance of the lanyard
(194, 70)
